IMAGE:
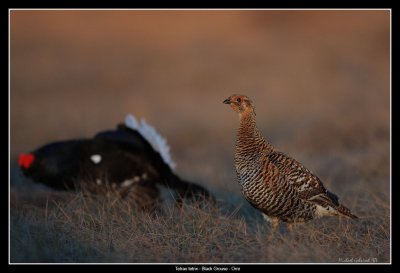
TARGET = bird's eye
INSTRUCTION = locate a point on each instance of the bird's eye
(238, 100)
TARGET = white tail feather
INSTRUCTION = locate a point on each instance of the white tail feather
(158, 142)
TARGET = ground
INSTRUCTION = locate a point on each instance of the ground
(320, 82)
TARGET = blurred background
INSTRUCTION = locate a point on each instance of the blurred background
(320, 81)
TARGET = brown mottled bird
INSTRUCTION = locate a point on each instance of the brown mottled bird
(274, 183)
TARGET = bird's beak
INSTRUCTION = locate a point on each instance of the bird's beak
(227, 101)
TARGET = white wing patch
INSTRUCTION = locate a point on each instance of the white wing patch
(158, 142)
(96, 159)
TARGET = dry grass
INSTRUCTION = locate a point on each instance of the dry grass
(74, 228)
(320, 83)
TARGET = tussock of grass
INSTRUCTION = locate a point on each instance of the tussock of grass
(82, 228)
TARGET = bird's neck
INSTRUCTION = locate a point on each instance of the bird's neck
(249, 141)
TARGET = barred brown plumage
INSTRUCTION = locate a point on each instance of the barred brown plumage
(274, 183)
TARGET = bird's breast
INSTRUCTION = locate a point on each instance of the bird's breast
(248, 172)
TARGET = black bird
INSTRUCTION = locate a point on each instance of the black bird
(120, 160)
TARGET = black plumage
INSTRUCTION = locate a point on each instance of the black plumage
(121, 160)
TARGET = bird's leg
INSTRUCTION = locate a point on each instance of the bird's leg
(275, 228)
(274, 222)
(290, 227)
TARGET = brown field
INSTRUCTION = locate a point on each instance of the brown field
(320, 81)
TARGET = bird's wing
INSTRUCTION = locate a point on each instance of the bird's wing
(308, 185)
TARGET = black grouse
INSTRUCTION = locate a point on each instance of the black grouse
(121, 160)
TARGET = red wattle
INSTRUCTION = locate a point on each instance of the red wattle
(25, 160)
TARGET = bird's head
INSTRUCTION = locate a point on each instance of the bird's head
(45, 163)
(30, 163)
(241, 104)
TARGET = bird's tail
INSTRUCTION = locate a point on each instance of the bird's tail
(345, 212)
(156, 140)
